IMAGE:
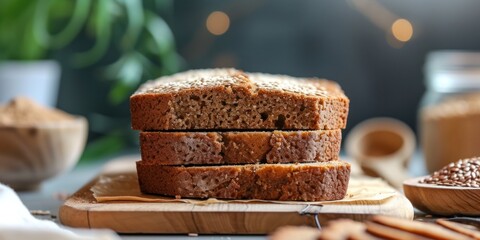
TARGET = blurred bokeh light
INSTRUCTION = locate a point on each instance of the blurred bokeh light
(218, 23)
(402, 30)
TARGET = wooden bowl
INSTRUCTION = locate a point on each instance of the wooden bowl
(442, 200)
(31, 154)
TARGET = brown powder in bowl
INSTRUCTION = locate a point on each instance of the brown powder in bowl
(23, 111)
(463, 173)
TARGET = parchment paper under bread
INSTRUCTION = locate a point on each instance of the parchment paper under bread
(124, 187)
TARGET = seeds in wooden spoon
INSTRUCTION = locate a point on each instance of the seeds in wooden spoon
(463, 173)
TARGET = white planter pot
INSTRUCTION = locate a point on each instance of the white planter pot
(38, 80)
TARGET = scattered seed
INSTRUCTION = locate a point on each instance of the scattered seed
(40, 212)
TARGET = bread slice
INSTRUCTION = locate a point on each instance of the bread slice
(203, 148)
(234, 100)
(286, 182)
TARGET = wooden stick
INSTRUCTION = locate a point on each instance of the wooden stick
(361, 236)
(459, 228)
(345, 229)
(295, 232)
(421, 228)
(387, 232)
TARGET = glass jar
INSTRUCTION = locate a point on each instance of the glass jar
(449, 115)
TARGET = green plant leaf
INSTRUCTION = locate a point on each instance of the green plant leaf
(73, 27)
(40, 22)
(103, 147)
(119, 93)
(11, 10)
(16, 28)
(31, 48)
(102, 21)
(128, 69)
(135, 17)
(160, 32)
(128, 72)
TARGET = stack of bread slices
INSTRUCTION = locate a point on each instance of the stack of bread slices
(224, 133)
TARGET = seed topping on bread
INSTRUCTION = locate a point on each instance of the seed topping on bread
(203, 78)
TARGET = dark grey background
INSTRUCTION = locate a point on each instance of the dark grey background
(330, 39)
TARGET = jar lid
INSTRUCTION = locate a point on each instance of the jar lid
(453, 70)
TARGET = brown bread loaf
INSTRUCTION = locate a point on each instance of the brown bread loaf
(286, 182)
(231, 99)
(199, 148)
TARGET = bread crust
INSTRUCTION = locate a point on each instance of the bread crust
(286, 182)
(231, 99)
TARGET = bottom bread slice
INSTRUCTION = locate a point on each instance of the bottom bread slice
(286, 182)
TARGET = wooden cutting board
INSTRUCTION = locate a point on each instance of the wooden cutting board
(82, 210)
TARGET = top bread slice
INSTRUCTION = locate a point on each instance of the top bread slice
(233, 100)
